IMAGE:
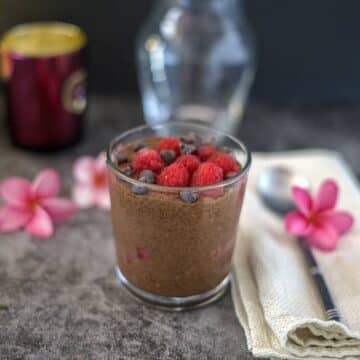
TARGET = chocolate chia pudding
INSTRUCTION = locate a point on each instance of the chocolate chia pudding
(175, 217)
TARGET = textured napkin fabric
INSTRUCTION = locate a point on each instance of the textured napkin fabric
(273, 293)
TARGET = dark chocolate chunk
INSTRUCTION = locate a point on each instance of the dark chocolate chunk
(127, 170)
(211, 140)
(188, 196)
(121, 158)
(191, 138)
(139, 190)
(186, 149)
(230, 174)
(227, 150)
(139, 146)
(147, 176)
(168, 155)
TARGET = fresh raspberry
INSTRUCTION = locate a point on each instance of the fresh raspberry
(205, 151)
(191, 162)
(207, 174)
(147, 159)
(174, 175)
(225, 161)
(169, 143)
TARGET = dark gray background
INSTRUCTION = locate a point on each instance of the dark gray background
(62, 299)
(308, 50)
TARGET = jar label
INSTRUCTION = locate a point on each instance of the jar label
(74, 92)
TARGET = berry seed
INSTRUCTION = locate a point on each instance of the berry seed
(168, 155)
(188, 196)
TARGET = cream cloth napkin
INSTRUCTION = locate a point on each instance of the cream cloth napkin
(274, 295)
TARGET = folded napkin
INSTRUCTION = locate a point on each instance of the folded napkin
(274, 295)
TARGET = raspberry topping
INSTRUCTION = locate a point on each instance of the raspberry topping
(205, 151)
(225, 161)
(207, 174)
(191, 162)
(169, 143)
(174, 175)
(147, 159)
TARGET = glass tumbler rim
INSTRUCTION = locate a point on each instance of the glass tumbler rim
(172, 189)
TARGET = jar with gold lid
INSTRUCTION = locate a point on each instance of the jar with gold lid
(44, 72)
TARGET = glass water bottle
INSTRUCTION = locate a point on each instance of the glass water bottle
(195, 62)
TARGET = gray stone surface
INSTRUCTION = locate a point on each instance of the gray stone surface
(60, 299)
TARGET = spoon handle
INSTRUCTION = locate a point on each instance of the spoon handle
(331, 310)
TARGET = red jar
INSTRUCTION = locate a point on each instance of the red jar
(43, 67)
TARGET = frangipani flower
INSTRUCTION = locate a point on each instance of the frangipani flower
(91, 187)
(316, 218)
(34, 206)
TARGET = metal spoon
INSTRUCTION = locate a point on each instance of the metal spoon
(274, 188)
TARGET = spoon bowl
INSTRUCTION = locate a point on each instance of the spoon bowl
(274, 187)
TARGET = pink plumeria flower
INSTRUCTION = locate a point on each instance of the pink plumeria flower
(91, 187)
(34, 206)
(316, 218)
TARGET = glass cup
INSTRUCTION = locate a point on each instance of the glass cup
(172, 253)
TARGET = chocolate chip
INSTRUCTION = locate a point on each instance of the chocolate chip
(140, 145)
(186, 149)
(121, 158)
(191, 138)
(227, 150)
(211, 140)
(139, 190)
(188, 196)
(147, 176)
(168, 155)
(127, 170)
(230, 174)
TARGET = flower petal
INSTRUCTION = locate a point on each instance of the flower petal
(302, 199)
(326, 196)
(59, 209)
(341, 220)
(40, 224)
(84, 169)
(296, 224)
(15, 191)
(46, 184)
(84, 196)
(12, 219)
(323, 237)
(100, 162)
(103, 199)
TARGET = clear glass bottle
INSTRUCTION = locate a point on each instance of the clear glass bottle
(195, 61)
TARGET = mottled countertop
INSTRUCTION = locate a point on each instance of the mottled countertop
(59, 299)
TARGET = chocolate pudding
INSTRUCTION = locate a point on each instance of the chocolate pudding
(173, 241)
